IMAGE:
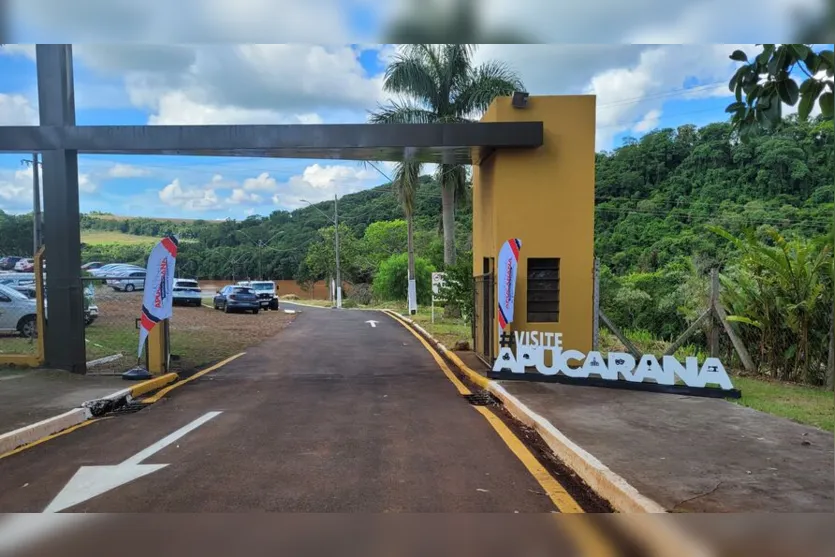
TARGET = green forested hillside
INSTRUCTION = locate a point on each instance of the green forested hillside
(655, 197)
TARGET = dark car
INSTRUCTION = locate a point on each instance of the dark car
(8, 263)
(237, 298)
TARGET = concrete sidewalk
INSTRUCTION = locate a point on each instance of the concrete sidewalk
(690, 454)
(29, 396)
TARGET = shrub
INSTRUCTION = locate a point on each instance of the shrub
(350, 303)
(458, 286)
(392, 282)
(289, 297)
(361, 293)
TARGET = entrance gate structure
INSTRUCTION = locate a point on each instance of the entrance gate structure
(60, 141)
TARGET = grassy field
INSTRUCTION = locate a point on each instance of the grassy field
(120, 218)
(95, 237)
(806, 405)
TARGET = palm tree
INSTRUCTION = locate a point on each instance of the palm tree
(405, 184)
(438, 83)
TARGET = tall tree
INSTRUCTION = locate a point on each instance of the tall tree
(406, 180)
(440, 83)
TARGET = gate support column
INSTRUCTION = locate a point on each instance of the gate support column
(65, 348)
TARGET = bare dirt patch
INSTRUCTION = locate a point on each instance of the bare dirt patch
(199, 335)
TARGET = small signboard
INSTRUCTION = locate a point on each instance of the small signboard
(438, 280)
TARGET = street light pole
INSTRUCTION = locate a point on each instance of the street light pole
(335, 222)
(37, 238)
(336, 238)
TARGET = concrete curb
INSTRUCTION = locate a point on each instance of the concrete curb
(612, 487)
(91, 409)
(31, 433)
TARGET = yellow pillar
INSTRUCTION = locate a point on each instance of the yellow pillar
(544, 197)
(158, 348)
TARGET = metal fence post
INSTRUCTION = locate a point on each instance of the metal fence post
(713, 328)
(595, 318)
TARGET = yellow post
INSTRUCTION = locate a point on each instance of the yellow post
(39, 303)
(158, 348)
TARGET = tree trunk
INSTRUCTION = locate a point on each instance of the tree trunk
(410, 245)
(448, 206)
(830, 363)
(410, 249)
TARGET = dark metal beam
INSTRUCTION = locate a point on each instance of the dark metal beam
(65, 346)
(439, 143)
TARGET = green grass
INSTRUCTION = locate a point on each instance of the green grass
(805, 405)
(96, 237)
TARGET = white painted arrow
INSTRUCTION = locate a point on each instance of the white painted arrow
(91, 481)
(372, 323)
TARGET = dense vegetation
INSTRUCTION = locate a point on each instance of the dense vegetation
(670, 206)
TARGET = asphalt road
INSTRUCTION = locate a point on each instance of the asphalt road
(331, 415)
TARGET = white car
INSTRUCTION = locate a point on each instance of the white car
(129, 281)
(24, 265)
(114, 269)
(17, 312)
(187, 292)
(22, 282)
(266, 292)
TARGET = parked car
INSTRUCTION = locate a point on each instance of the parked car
(187, 292)
(22, 282)
(7, 263)
(18, 313)
(129, 281)
(92, 265)
(26, 265)
(111, 268)
(266, 292)
(234, 298)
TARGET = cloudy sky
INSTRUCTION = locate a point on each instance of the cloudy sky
(638, 88)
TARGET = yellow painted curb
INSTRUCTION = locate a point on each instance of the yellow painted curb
(152, 384)
(168, 389)
(471, 374)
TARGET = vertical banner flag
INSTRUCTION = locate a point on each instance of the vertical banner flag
(506, 281)
(159, 280)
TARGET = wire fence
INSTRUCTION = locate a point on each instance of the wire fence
(22, 314)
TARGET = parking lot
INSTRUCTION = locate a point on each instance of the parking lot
(199, 335)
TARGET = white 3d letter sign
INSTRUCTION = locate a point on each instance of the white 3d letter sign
(532, 346)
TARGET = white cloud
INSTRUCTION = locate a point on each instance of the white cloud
(320, 183)
(206, 198)
(86, 184)
(16, 190)
(15, 110)
(650, 121)
(242, 197)
(627, 95)
(263, 182)
(189, 198)
(126, 171)
(236, 84)
(161, 21)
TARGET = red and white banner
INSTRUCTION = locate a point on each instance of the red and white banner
(506, 279)
(157, 302)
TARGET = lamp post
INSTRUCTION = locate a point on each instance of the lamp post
(335, 221)
(36, 200)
